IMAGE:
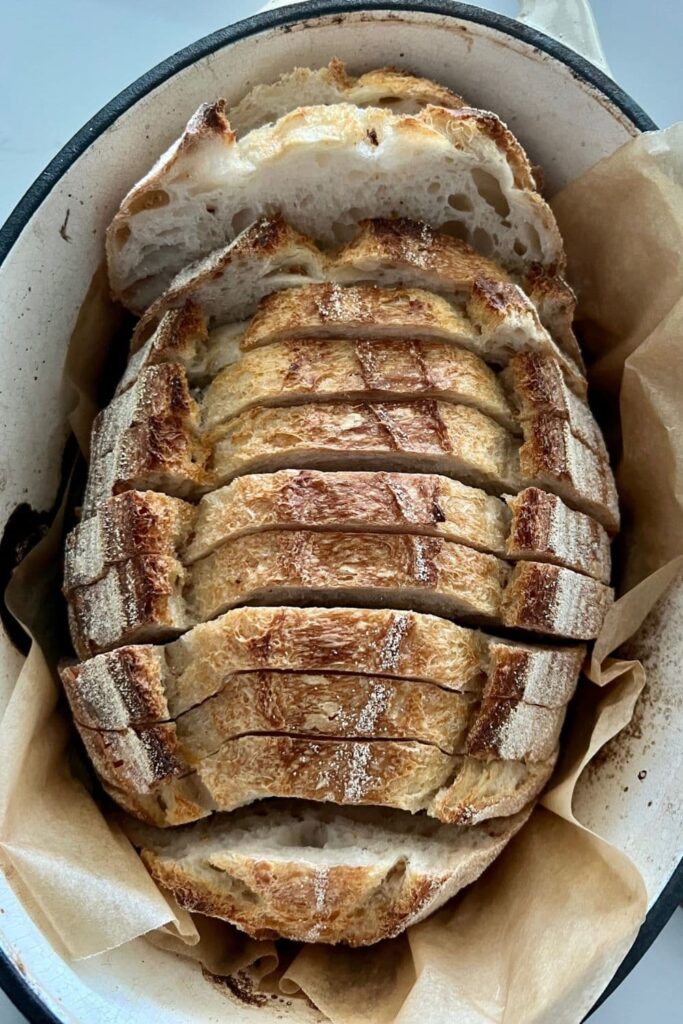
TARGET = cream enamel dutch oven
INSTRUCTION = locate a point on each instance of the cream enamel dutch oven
(568, 114)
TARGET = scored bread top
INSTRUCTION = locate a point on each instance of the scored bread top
(328, 706)
(534, 524)
(149, 438)
(153, 596)
(480, 177)
(406, 775)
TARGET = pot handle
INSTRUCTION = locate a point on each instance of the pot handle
(569, 21)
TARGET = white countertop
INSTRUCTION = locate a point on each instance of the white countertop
(64, 59)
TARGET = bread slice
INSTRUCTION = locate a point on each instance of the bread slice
(388, 251)
(327, 706)
(316, 873)
(397, 90)
(532, 525)
(151, 777)
(294, 372)
(405, 775)
(154, 597)
(136, 446)
(145, 684)
(351, 312)
(467, 295)
(325, 169)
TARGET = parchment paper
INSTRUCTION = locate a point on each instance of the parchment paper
(540, 935)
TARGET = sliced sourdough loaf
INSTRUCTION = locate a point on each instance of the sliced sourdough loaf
(397, 90)
(405, 775)
(209, 185)
(316, 873)
(468, 297)
(144, 684)
(154, 597)
(534, 524)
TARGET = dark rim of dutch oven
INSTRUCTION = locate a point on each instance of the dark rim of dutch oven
(12, 980)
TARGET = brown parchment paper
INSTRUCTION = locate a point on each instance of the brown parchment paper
(541, 933)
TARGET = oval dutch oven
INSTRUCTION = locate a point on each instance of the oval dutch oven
(566, 111)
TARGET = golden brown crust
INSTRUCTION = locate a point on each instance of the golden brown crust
(138, 685)
(403, 775)
(553, 457)
(543, 528)
(326, 706)
(535, 386)
(542, 597)
(544, 676)
(130, 525)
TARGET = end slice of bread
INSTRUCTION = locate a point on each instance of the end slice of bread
(315, 873)
(472, 173)
(397, 90)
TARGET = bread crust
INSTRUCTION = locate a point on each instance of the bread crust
(144, 684)
(381, 87)
(326, 706)
(150, 437)
(303, 893)
(532, 525)
(297, 371)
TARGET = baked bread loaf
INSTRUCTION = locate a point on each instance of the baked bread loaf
(346, 442)
(471, 169)
(313, 872)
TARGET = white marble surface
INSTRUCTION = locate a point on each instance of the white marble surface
(64, 59)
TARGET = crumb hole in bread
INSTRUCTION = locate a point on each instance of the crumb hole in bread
(482, 241)
(312, 834)
(322, 159)
(387, 101)
(456, 229)
(343, 231)
(121, 236)
(434, 188)
(519, 247)
(534, 240)
(388, 889)
(490, 191)
(152, 199)
(242, 219)
(460, 201)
